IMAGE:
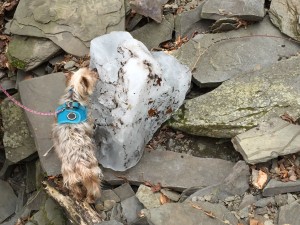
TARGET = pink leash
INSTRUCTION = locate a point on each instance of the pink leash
(26, 108)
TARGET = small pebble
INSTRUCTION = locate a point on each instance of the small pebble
(268, 222)
(108, 205)
(194, 199)
(99, 207)
(201, 199)
(229, 199)
(207, 198)
(69, 65)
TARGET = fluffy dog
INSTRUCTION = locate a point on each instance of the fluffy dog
(73, 140)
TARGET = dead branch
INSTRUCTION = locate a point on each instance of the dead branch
(79, 213)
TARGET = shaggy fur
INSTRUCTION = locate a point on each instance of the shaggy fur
(74, 143)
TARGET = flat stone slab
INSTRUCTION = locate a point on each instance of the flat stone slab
(267, 141)
(8, 200)
(275, 187)
(17, 140)
(42, 94)
(153, 33)
(189, 214)
(243, 102)
(149, 8)
(211, 58)
(237, 183)
(26, 53)
(174, 170)
(284, 14)
(70, 25)
(289, 214)
(189, 22)
(252, 10)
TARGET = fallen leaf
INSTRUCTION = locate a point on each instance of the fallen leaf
(260, 180)
(253, 222)
(288, 118)
(11, 5)
(156, 188)
(179, 136)
(163, 199)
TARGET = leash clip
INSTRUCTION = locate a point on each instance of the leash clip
(69, 105)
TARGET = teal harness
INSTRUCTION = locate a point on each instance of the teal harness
(71, 113)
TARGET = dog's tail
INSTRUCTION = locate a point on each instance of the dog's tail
(91, 179)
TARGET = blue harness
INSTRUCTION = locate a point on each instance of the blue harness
(71, 113)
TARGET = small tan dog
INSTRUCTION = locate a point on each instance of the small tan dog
(73, 137)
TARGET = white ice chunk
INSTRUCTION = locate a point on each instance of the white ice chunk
(137, 92)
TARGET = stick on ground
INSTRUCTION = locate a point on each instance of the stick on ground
(80, 213)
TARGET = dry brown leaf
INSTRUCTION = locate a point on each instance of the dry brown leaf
(156, 188)
(288, 118)
(261, 180)
(163, 199)
(253, 222)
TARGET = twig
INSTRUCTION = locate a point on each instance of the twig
(47, 152)
(210, 214)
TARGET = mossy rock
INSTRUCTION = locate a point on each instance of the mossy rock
(243, 102)
(26, 53)
(17, 140)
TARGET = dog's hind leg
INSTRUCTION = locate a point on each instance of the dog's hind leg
(91, 180)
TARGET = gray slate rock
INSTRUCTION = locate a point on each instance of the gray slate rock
(167, 167)
(17, 140)
(247, 200)
(289, 214)
(8, 200)
(172, 195)
(152, 34)
(109, 195)
(252, 10)
(263, 202)
(131, 208)
(42, 94)
(111, 222)
(237, 183)
(209, 55)
(243, 102)
(70, 25)
(188, 22)
(185, 213)
(26, 53)
(50, 213)
(275, 187)
(267, 141)
(124, 191)
(284, 14)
